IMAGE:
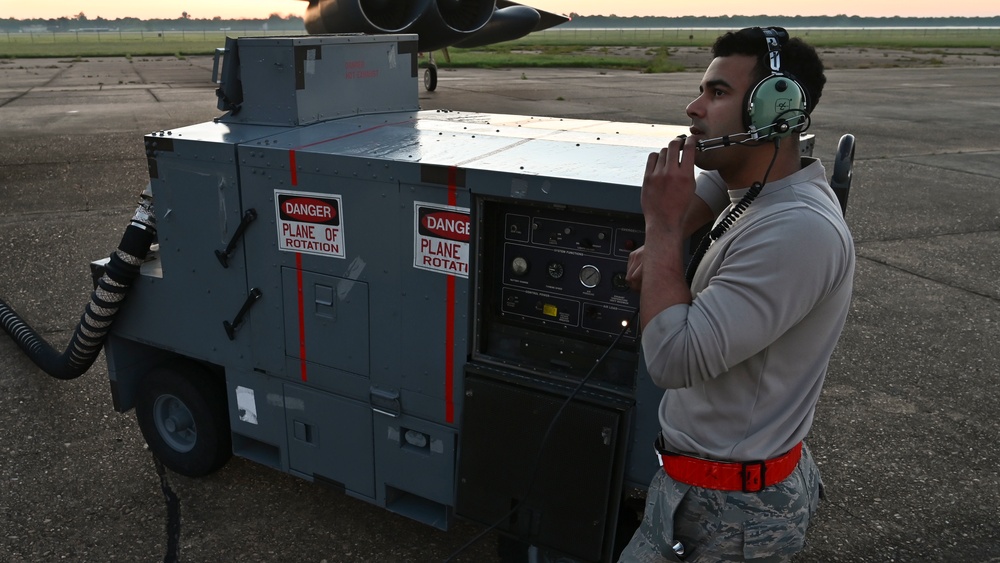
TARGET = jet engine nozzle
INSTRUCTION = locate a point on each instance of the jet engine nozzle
(447, 21)
(364, 16)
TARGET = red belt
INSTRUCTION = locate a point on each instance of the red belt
(749, 476)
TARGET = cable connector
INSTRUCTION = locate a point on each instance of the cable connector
(144, 217)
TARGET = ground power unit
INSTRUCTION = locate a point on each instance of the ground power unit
(425, 309)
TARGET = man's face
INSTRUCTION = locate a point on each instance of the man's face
(718, 110)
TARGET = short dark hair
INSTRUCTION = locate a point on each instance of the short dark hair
(798, 59)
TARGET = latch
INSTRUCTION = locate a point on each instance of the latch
(223, 255)
(384, 401)
(255, 295)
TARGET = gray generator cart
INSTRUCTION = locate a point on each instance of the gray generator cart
(425, 309)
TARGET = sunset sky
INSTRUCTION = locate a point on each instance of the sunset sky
(234, 9)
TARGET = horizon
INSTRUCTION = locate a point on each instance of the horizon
(285, 16)
(263, 9)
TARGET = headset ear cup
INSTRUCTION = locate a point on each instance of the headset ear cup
(776, 98)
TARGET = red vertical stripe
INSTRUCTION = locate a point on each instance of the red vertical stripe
(302, 316)
(449, 333)
(449, 353)
(298, 284)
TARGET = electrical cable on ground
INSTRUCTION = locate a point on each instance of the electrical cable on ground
(173, 514)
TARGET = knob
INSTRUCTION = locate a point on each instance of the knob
(519, 266)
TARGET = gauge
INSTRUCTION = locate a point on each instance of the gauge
(556, 270)
(519, 266)
(590, 276)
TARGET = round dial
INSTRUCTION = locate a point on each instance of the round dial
(519, 266)
(619, 282)
(556, 270)
(590, 276)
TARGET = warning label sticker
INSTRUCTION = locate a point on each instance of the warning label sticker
(310, 223)
(441, 238)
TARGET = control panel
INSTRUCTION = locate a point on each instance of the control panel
(554, 294)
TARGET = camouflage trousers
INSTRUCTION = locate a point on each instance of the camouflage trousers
(769, 526)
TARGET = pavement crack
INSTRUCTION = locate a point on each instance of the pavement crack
(930, 279)
(51, 79)
(861, 242)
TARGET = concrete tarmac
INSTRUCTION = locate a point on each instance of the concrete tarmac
(906, 433)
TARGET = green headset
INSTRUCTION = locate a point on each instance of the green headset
(774, 108)
(777, 106)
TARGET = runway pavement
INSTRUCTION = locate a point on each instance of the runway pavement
(906, 433)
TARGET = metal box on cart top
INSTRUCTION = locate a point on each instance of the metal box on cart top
(292, 81)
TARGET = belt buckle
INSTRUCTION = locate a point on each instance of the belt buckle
(747, 475)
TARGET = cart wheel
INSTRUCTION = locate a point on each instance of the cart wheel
(181, 410)
(430, 78)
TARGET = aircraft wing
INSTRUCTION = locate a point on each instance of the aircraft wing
(438, 23)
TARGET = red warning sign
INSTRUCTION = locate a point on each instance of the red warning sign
(441, 238)
(310, 223)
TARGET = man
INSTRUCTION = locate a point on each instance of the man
(743, 350)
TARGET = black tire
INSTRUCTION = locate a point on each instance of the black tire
(430, 78)
(182, 412)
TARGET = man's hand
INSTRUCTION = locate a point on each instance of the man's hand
(667, 193)
(633, 273)
(698, 212)
(668, 185)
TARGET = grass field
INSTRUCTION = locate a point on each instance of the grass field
(559, 47)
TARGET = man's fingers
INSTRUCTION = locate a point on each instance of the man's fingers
(687, 158)
(651, 162)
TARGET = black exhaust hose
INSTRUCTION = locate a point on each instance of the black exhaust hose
(97, 318)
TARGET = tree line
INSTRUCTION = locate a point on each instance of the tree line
(185, 22)
(277, 22)
(791, 22)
